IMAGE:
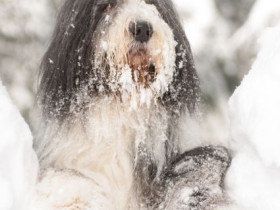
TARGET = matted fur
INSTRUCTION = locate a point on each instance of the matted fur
(105, 124)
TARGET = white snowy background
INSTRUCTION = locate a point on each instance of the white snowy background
(224, 35)
(18, 161)
(253, 180)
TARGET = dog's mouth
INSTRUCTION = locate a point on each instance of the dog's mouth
(143, 68)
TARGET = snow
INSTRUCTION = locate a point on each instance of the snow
(18, 162)
(254, 178)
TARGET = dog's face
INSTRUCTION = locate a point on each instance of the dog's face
(136, 47)
(118, 47)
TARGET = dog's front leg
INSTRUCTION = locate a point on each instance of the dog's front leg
(68, 190)
(194, 181)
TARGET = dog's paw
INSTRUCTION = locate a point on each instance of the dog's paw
(194, 181)
(204, 163)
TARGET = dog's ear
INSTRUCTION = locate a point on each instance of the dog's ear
(184, 91)
(68, 63)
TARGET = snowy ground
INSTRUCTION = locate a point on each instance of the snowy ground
(18, 162)
(254, 177)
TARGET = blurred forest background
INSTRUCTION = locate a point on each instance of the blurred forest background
(223, 35)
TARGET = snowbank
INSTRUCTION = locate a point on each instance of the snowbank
(254, 177)
(18, 162)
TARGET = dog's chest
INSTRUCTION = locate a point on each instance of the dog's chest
(104, 146)
(109, 143)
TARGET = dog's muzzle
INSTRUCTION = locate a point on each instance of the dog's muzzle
(140, 60)
(142, 66)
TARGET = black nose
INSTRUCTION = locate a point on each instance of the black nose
(142, 31)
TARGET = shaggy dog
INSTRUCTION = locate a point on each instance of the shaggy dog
(117, 86)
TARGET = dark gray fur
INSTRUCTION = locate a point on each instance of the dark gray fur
(201, 171)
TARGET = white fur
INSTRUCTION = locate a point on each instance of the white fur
(102, 147)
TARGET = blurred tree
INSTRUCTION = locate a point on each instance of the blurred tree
(236, 12)
(25, 27)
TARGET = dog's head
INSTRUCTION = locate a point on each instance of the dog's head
(121, 47)
(135, 48)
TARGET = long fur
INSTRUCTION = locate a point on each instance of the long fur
(99, 123)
